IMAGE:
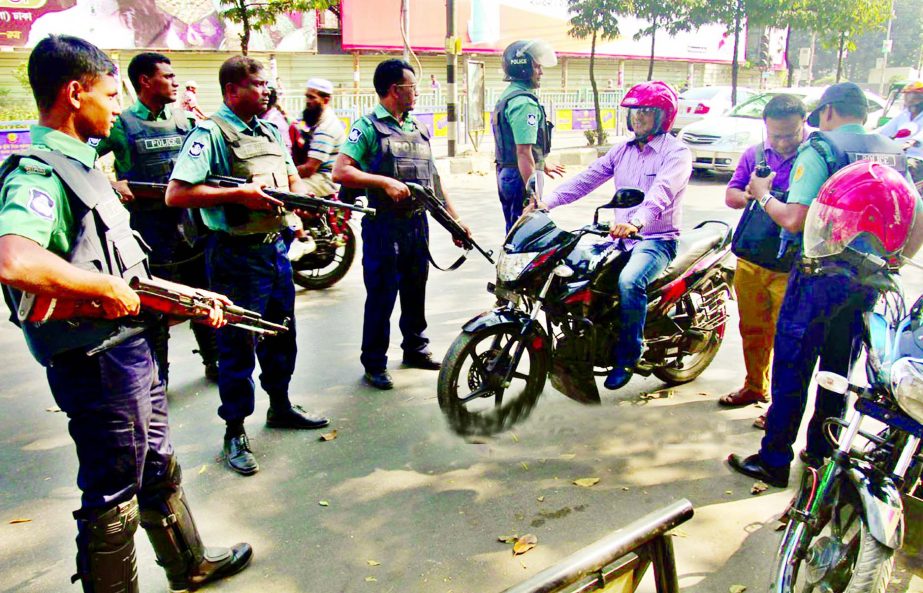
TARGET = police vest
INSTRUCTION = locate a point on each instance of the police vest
(405, 156)
(259, 159)
(505, 149)
(849, 147)
(104, 242)
(757, 237)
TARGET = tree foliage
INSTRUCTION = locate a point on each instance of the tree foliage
(671, 18)
(256, 14)
(596, 19)
(840, 24)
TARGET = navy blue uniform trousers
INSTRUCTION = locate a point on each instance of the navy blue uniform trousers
(512, 194)
(820, 318)
(395, 262)
(117, 415)
(255, 276)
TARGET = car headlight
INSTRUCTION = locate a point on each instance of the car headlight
(907, 386)
(511, 265)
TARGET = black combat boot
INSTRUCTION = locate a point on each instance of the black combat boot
(106, 549)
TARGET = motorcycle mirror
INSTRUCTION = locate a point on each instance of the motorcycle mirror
(626, 197)
(833, 382)
(563, 271)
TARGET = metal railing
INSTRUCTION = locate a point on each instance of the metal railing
(624, 554)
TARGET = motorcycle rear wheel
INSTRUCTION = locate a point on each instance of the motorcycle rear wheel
(695, 364)
(470, 390)
(841, 557)
(314, 277)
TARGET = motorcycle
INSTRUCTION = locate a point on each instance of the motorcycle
(846, 521)
(909, 135)
(495, 370)
(335, 249)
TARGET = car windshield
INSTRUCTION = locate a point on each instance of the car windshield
(753, 107)
(699, 94)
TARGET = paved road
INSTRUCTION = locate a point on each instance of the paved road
(401, 489)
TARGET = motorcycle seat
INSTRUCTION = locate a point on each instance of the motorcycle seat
(692, 246)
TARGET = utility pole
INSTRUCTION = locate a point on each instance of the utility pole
(452, 47)
(405, 27)
(885, 50)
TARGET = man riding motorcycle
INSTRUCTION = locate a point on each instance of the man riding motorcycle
(907, 129)
(658, 164)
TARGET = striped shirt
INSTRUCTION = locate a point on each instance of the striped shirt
(661, 170)
(326, 139)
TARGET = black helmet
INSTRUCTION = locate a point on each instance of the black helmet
(520, 56)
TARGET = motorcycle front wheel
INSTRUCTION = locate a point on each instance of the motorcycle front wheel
(472, 391)
(329, 263)
(694, 364)
(841, 556)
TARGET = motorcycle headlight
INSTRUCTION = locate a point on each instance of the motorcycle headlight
(511, 265)
(907, 386)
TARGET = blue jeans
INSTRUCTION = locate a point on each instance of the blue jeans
(256, 277)
(821, 318)
(512, 193)
(642, 264)
(394, 262)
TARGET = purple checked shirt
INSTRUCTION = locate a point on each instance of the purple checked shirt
(781, 165)
(661, 171)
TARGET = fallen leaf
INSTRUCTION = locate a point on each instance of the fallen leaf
(507, 539)
(203, 468)
(625, 488)
(759, 487)
(524, 544)
(373, 562)
(737, 589)
(329, 436)
(524, 465)
(540, 499)
(729, 492)
(567, 455)
(323, 503)
(53, 409)
(514, 436)
(371, 580)
(702, 393)
(18, 521)
(586, 482)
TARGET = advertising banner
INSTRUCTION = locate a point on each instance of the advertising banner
(149, 24)
(487, 26)
(12, 141)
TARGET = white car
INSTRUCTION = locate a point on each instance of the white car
(699, 103)
(717, 143)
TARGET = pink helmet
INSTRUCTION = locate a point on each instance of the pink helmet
(654, 94)
(865, 200)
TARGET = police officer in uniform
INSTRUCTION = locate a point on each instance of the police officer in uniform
(384, 150)
(64, 234)
(522, 132)
(146, 139)
(246, 254)
(821, 314)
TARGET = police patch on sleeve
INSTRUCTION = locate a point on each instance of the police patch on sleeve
(799, 173)
(354, 135)
(532, 119)
(94, 142)
(41, 204)
(196, 149)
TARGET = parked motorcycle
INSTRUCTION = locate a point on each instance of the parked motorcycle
(335, 250)
(495, 370)
(846, 520)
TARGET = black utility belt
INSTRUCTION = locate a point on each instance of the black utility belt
(249, 239)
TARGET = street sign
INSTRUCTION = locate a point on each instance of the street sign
(804, 56)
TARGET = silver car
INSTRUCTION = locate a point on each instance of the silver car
(717, 143)
(698, 103)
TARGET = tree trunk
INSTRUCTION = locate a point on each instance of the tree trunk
(650, 66)
(245, 21)
(839, 57)
(735, 65)
(788, 62)
(600, 135)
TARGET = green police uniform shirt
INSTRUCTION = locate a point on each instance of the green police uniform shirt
(362, 141)
(523, 114)
(33, 202)
(117, 142)
(809, 171)
(205, 153)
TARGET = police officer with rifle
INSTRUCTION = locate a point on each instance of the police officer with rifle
(146, 139)
(384, 152)
(64, 234)
(246, 255)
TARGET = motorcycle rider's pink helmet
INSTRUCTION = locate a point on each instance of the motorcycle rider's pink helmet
(866, 201)
(653, 95)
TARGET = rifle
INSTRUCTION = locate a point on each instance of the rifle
(160, 296)
(290, 200)
(429, 200)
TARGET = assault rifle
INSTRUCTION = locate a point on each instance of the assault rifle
(436, 207)
(290, 200)
(168, 298)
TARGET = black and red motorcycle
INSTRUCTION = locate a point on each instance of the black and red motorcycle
(495, 370)
(335, 249)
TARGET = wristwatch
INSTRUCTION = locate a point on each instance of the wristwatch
(764, 200)
(636, 223)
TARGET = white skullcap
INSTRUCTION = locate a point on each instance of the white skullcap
(320, 84)
(191, 83)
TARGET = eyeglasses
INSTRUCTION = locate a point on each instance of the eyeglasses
(643, 110)
(412, 86)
